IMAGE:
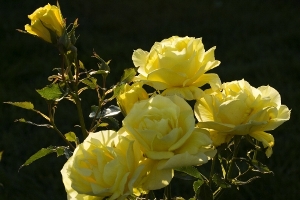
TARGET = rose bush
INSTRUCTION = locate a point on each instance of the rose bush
(47, 23)
(104, 165)
(130, 95)
(165, 129)
(177, 65)
(240, 109)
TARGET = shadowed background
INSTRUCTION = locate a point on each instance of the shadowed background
(256, 40)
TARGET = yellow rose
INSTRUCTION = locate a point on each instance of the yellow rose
(165, 129)
(177, 65)
(46, 23)
(240, 109)
(106, 164)
(130, 95)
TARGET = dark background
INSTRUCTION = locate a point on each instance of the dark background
(256, 40)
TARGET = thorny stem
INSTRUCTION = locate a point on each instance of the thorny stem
(101, 100)
(56, 129)
(237, 140)
(75, 88)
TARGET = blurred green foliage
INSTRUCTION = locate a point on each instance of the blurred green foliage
(256, 40)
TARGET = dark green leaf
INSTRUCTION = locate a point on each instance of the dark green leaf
(51, 92)
(238, 182)
(190, 170)
(102, 65)
(150, 195)
(91, 82)
(197, 184)
(67, 152)
(94, 111)
(29, 122)
(111, 111)
(128, 75)
(108, 112)
(112, 122)
(205, 193)
(220, 182)
(25, 105)
(259, 167)
(183, 176)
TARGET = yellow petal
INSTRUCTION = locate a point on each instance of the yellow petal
(232, 112)
(139, 58)
(159, 155)
(167, 76)
(185, 159)
(157, 179)
(266, 139)
(204, 108)
(188, 93)
(211, 78)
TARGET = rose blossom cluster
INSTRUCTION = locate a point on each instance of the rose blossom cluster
(159, 132)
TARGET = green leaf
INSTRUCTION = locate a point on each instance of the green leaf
(102, 65)
(103, 124)
(220, 181)
(51, 92)
(108, 112)
(238, 182)
(183, 176)
(25, 105)
(150, 195)
(60, 150)
(43, 152)
(112, 110)
(29, 122)
(81, 65)
(205, 193)
(94, 111)
(197, 184)
(71, 136)
(190, 170)
(259, 167)
(128, 75)
(118, 90)
(91, 82)
(98, 72)
(112, 122)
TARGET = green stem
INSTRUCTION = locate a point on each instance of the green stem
(255, 152)
(80, 114)
(212, 169)
(237, 140)
(217, 194)
(74, 88)
(100, 104)
(51, 116)
(62, 136)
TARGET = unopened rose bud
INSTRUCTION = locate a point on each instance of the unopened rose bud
(47, 23)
